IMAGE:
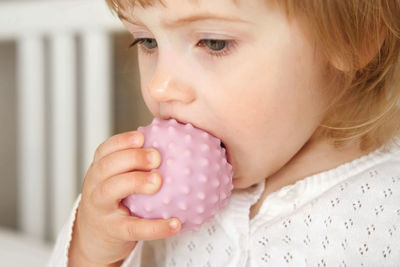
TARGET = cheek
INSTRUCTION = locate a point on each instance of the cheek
(147, 99)
(146, 72)
(271, 99)
(252, 95)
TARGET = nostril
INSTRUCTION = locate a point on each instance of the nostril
(165, 88)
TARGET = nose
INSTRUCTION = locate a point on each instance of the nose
(167, 87)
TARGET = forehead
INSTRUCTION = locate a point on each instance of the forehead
(123, 4)
(169, 10)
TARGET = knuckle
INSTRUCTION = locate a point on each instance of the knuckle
(101, 166)
(105, 190)
(154, 229)
(133, 179)
(131, 231)
(109, 229)
(86, 185)
(99, 150)
(89, 183)
(88, 174)
(90, 171)
(118, 140)
(135, 153)
(137, 156)
(91, 167)
(140, 184)
(94, 197)
(121, 140)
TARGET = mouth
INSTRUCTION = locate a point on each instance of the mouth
(194, 125)
(222, 145)
(226, 152)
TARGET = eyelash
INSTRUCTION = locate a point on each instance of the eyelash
(230, 45)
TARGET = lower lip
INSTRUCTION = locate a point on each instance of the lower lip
(226, 152)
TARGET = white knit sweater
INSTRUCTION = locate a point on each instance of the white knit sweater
(347, 216)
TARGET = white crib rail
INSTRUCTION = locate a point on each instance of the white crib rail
(28, 23)
(31, 133)
(64, 124)
(97, 108)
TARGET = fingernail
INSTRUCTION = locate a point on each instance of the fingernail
(173, 224)
(152, 157)
(153, 178)
(136, 140)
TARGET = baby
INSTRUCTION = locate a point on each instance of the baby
(303, 95)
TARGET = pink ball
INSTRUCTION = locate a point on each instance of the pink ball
(197, 179)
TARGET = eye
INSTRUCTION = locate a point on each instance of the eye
(218, 48)
(148, 43)
(215, 45)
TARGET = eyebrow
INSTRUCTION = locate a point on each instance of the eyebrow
(186, 20)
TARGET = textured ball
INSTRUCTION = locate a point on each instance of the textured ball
(197, 179)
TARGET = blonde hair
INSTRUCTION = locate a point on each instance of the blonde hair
(361, 40)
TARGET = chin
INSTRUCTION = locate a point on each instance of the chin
(239, 183)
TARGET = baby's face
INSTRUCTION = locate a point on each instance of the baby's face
(260, 88)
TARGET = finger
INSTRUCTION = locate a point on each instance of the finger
(143, 159)
(133, 139)
(109, 194)
(135, 229)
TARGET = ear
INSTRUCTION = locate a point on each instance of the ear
(369, 51)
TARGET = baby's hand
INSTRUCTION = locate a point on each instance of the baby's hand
(104, 232)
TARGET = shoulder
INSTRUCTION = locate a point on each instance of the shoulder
(379, 183)
(373, 193)
(356, 221)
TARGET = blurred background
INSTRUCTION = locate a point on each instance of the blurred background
(67, 82)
